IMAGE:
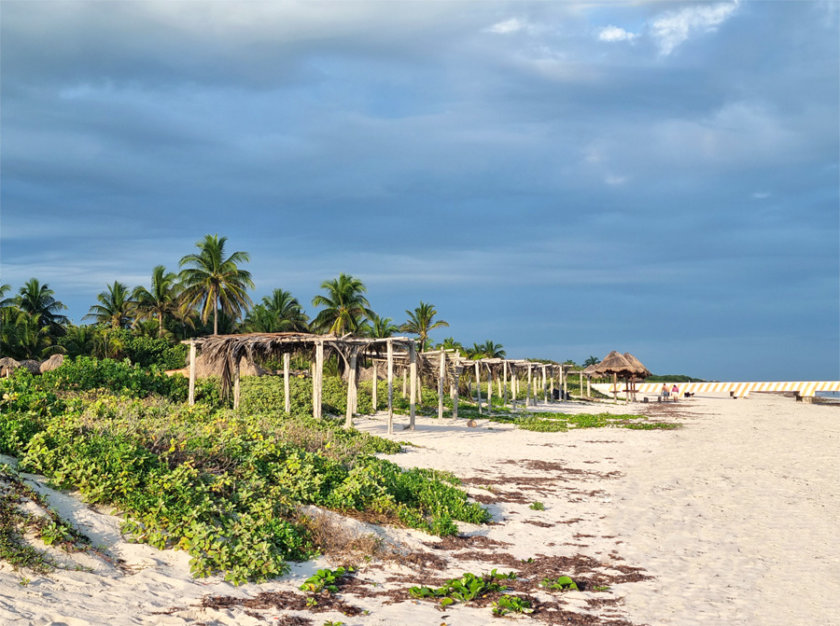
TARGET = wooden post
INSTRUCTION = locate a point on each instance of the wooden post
(489, 390)
(551, 383)
(588, 386)
(504, 377)
(236, 387)
(441, 378)
(458, 370)
(498, 385)
(287, 400)
(581, 382)
(374, 389)
(615, 386)
(565, 383)
(405, 377)
(412, 364)
(544, 386)
(318, 380)
(530, 385)
(390, 387)
(514, 385)
(192, 373)
(478, 385)
(351, 390)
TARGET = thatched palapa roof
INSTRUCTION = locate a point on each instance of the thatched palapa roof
(8, 365)
(54, 362)
(639, 370)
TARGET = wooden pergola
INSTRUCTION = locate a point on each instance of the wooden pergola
(445, 367)
(229, 350)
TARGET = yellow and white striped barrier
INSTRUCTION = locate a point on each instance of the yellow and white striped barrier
(805, 389)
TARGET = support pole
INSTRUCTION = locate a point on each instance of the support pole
(530, 385)
(441, 378)
(588, 386)
(458, 370)
(287, 400)
(581, 382)
(318, 380)
(544, 386)
(236, 387)
(405, 381)
(412, 364)
(489, 390)
(551, 383)
(192, 373)
(390, 387)
(565, 383)
(504, 378)
(514, 384)
(478, 385)
(351, 391)
(374, 390)
(615, 386)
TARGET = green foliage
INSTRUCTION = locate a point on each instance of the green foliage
(219, 484)
(562, 583)
(537, 506)
(326, 580)
(560, 422)
(85, 373)
(511, 604)
(467, 587)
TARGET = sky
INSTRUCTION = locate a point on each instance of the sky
(561, 178)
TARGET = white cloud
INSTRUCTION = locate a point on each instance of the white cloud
(761, 195)
(614, 33)
(506, 27)
(674, 28)
(614, 180)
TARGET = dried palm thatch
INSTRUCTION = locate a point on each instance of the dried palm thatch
(614, 363)
(34, 367)
(639, 370)
(54, 362)
(7, 366)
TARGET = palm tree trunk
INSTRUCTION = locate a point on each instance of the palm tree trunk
(160, 324)
(215, 314)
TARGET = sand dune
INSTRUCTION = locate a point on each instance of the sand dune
(732, 519)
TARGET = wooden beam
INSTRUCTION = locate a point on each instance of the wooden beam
(588, 386)
(544, 386)
(287, 400)
(530, 385)
(565, 383)
(455, 391)
(192, 373)
(405, 381)
(551, 383)
(504, 377)
(390, 345)
(581, 382)
(412, 401)
(441, 378)
(351, 390)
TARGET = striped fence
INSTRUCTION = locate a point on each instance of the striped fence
(739, 390)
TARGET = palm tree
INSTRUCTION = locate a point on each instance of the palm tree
(449, 343)
(79, 340)
(159, 301)
(420, 323)
(592, 360)
(212, 281)
(115, 307)
(32, 337)
(277, 313)
(345, 305)
(379, 327)
(488, 350)
(37, 299)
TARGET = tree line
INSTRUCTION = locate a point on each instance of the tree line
(208, 294)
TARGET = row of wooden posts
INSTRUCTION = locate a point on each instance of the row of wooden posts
(544, 378)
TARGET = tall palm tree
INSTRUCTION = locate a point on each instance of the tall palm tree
(277, 313)
(32, 337)
(345, 305)
(379, 327)
(449, 343)
(420, 322)
(161, 300)
(212, 280)
(489, 350)
(37, 299)
(115, 308)
(79, 340)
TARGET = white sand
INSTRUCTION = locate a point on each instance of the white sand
(735, 517)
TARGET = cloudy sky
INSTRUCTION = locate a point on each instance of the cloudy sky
(562, 178)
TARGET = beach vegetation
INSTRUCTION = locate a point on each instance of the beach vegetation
(160, 301)
(511, 604)
(463, 589)
(537, 506)
(327, 580)
(116, 307)
(345, 306)
(224, 486)
(561, 583)
(421, 321)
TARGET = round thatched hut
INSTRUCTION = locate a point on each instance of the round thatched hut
(7, 366)
(34, 367)
(54, 362)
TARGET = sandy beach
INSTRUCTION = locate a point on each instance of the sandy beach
(731, 519)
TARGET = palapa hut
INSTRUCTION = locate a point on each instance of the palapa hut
(33, 366)
(616, 364)
(54, 362)
(638, 372)
(7, 366)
